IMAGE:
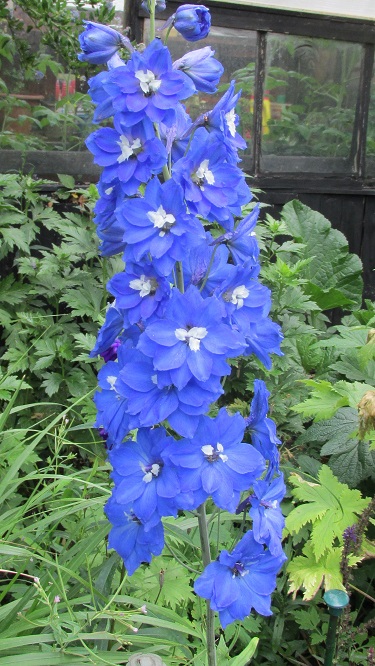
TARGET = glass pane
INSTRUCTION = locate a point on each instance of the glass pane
(311, 91)
(43, 100)
(370, 142)
(236, 50)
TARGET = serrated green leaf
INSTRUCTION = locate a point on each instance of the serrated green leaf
(325, 400)
(329, 505)
(308, 573)
(333, 274)
(354, 464)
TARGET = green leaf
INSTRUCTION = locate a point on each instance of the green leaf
(247, 654)
(67, 181)
(308, 573)
(330, 506)
(354, 463)
(335, 432)
(52, 382)
(325, 400)
(334, 275)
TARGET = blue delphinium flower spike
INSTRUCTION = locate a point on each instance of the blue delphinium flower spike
(100, 42)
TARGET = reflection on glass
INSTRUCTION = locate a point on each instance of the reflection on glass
(43, 100)
(236, 50)
(370, 141)
(311, 91)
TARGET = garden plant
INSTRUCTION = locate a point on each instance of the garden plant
(187, 454)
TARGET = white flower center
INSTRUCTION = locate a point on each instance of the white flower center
(230, 117)
(213, 455)
(127, 149)
(193, 337)
(109, 190)
(238, 296)
(112, 381)
(147, 81)
(150, 472)
(203, 174)
(161, 220)
(142, 284)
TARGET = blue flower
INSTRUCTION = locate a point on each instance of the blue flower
(203, 69)
(131, 154)
(110, 330)
(158, 225)
(193, 22)
(240, 581)
(175, 136)
(264, 338)
(246, 300)
(140, 292)
(222, 121)
(148, 87)
(109, 228)
(104, 107)
(145, 478)
(152, 397)
(213, 188)
(216, 462)
(262, 428)
(100, 42)
(111, 403)
(242, 242)
(191, 340)
(129, 538)
(268, 521)
(206, 268)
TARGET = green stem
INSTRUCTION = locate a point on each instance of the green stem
(209, 268)
(167, 33)
(180, 277)
(152, 19)
(206, 557)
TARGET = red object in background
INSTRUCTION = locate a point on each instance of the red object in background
(57, 91)
(63, 89)
(72, 87)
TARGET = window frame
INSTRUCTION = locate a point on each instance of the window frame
(269, 20)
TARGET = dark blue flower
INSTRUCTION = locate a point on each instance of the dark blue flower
(201, 66)
(213, 188)
(268, 521)
(140, 292)
(159, 225)
(129, 538)
(145, 478)
(262, 428)
(216, 462)
(108, 226)
(100, 42)
(147, 86)
(191, 340)
(193, 22)
(131, 154)
(240, 581)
